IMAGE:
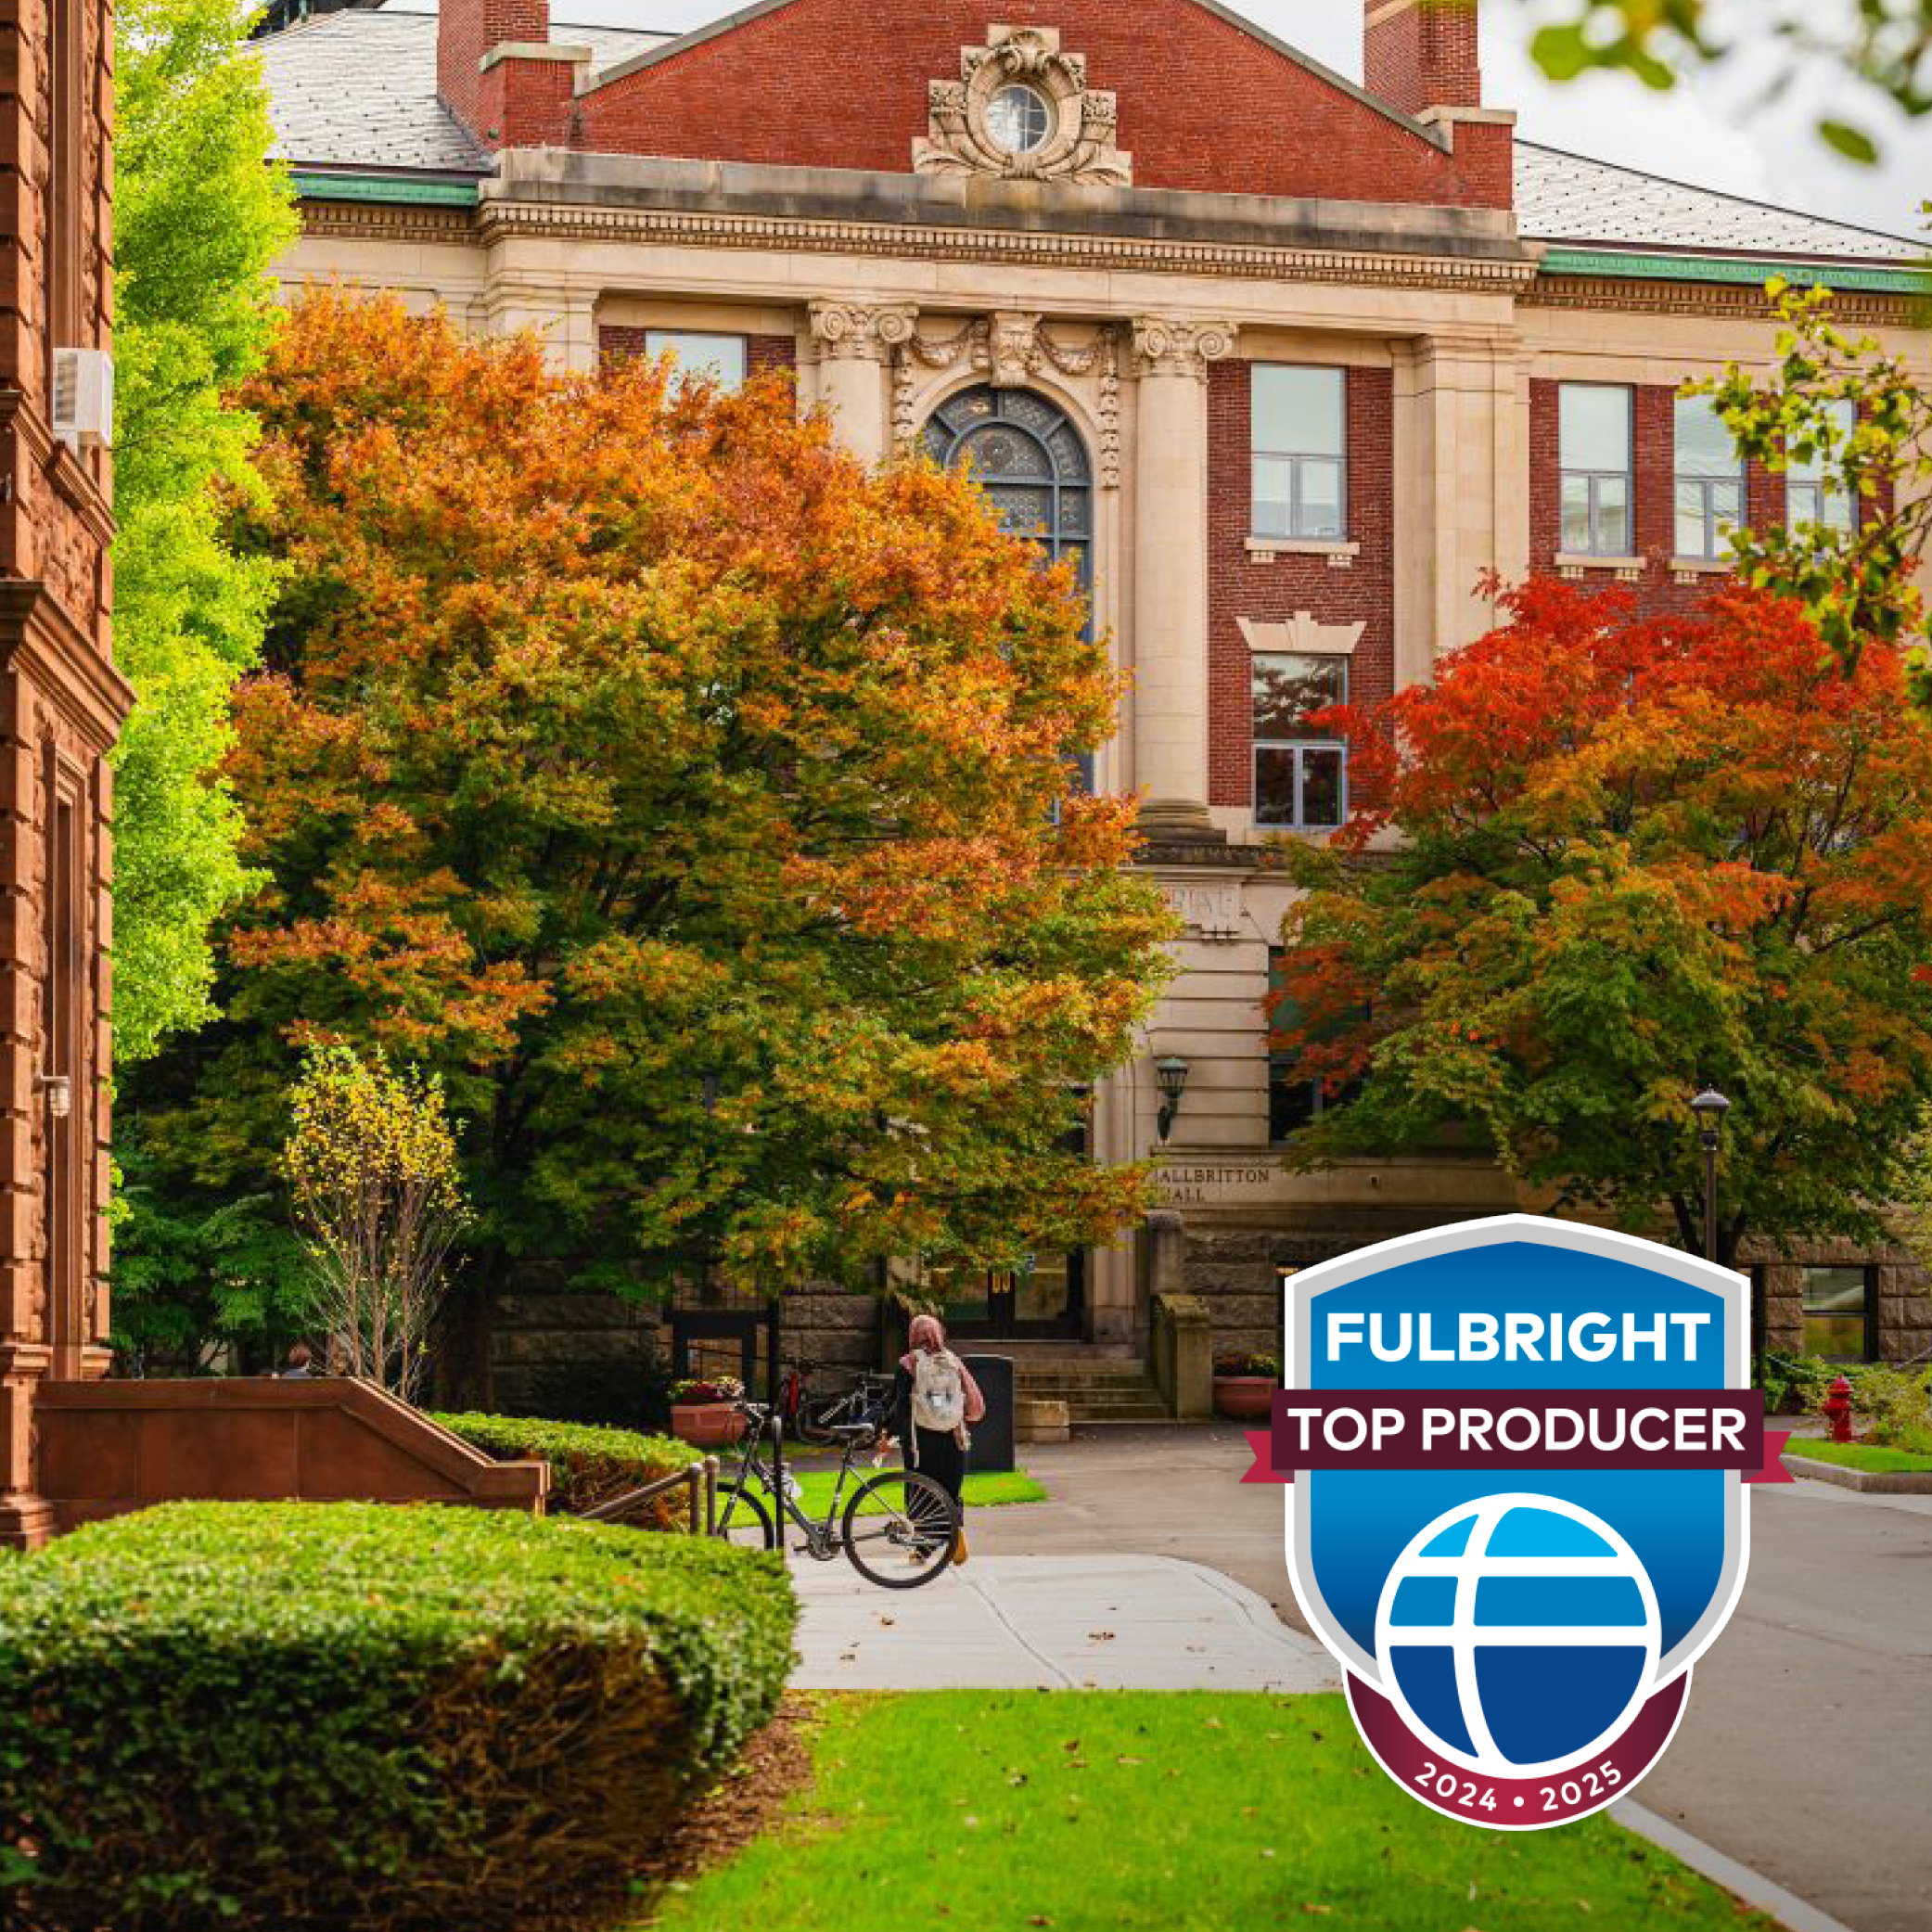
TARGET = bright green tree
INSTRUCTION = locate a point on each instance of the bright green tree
(199, 217)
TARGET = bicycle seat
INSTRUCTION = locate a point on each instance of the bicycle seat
(853, 1432)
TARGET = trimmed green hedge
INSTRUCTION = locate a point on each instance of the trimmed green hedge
(356, 1717)
(588, 1465)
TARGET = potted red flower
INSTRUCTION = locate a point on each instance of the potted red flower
(704, 1411)
(1245, 1385)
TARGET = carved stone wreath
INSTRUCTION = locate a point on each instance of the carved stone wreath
(1080, 142)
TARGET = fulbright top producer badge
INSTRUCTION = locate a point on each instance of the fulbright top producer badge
(1516, 1453)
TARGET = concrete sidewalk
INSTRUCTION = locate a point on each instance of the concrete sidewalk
(1077, 1622)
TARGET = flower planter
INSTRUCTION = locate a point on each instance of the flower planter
(706, 1425)
(1244, 1398)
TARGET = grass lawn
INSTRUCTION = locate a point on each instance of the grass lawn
(1171, 1811)
(981, 1491)
(1861, 1455)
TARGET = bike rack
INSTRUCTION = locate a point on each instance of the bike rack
(698, 1480)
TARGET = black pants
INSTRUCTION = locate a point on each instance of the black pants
(941, 1458)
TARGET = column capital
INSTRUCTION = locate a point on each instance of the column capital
(855, 331)
(1180, 345)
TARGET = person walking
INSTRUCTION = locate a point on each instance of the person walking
(935, 1401)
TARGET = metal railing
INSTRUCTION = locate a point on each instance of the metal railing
(700, 1482)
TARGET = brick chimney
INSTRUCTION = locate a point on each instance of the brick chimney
(1421, 54)
(499, 73)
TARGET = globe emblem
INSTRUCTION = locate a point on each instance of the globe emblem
(1518, 1634)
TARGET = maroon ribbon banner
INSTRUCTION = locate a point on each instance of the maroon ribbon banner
(1533, 1429)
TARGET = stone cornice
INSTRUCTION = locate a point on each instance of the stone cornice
(1742, 301)
(1004, 247)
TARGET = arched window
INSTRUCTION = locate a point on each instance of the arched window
(1032, 464)
(1029, 459)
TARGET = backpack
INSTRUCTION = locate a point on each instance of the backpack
(938, 1394)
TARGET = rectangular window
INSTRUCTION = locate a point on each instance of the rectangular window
(1299, 444)
(718, 359)
(1294, 1101)
(1301, 776)
(1710, 481)
(1810, 492)
(1593, 457)
(1838, 1308)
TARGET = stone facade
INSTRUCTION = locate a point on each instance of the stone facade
(60, 706)
(1190, 200)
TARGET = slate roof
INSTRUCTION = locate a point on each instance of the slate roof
(357, 89)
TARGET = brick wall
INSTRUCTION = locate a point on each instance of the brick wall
(1654, 454)
(1239, 585)
(1203, 105)
(61, 702)
(1424, 56)
(467, 31)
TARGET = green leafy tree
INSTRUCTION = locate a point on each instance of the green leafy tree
(199, 217)
(1862, 416)
(693, 800)
(1629, 859)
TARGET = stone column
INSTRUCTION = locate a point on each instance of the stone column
(855, 343)
(1170, 358)
(1462, 489)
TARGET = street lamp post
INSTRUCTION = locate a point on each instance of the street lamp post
(1710, 1107)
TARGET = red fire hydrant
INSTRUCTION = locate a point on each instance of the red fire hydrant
(1838, 1406)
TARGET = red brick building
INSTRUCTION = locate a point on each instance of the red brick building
(1285, 363)
(61, 702)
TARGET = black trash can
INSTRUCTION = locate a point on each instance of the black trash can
(992, 1434)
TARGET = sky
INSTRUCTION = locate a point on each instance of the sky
(1714, 131)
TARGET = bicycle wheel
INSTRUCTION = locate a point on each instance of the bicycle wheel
(818, 1414)
(743, 1520)
(899, 1529)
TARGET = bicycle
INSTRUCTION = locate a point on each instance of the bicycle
(814, 1417)
(898, 1529)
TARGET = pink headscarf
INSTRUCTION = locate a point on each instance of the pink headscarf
(927, 1335)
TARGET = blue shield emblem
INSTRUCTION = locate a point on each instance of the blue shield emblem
(1517, 1511)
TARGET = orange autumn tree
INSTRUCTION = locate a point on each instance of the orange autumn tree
(1608, 862)
(691, 800)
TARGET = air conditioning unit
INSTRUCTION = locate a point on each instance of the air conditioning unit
(84, 398)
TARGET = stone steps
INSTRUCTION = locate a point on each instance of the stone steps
(1103, 1389)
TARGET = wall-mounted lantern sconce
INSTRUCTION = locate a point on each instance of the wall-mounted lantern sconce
(1172, 1073)
(60, 1091)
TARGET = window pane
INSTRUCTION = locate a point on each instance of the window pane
(1321, 499)
(1802, 502)
(1693, 537)
(1726, 509)
(1275, 786)
(1576, 513)
(1287, 688)
(1272, 491)
(1612, 517)
(1595, 426)
(1704, 445)
(1322, 786)
(718, 359)
(1834, 1312)
(1835, 513)
(1299, 411)
(1844, 420)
